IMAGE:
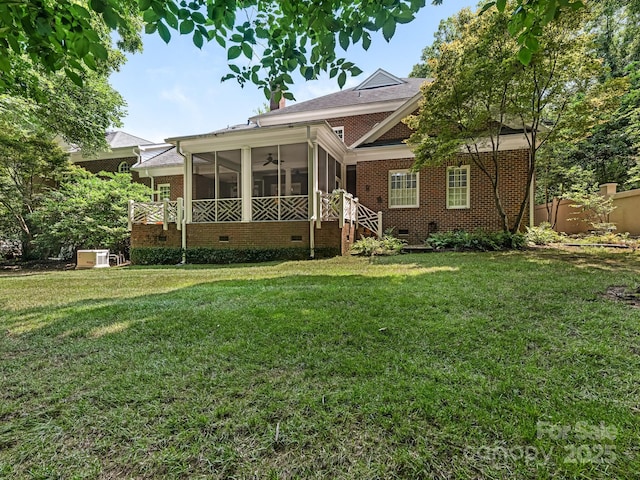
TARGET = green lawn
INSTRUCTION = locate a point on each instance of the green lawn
(452, 365)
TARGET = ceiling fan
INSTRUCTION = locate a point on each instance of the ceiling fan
(270, 159)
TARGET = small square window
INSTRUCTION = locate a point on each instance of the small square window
(339, 131)
(164, 192)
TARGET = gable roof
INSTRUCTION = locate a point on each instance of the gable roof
(120, 139)
(377, 90)
(380, 78)
(167, 156)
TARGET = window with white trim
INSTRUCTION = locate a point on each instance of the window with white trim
(164, 191)
(458, 187)
(124, 167)
(339, 131)
(403, 189)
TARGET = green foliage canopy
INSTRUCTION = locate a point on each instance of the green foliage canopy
(29, 167)
(87, 211)
(266, 40)
(479, 88)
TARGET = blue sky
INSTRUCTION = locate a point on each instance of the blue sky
(175, 89)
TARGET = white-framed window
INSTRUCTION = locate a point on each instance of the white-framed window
(124, 167)
(164, 191)
(339, 131)
(403, 189)
(458, 187)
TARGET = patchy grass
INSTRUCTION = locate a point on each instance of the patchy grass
(493, 365)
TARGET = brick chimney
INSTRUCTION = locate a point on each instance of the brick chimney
(273, 105)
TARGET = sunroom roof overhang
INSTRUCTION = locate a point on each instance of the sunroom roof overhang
(230, 139)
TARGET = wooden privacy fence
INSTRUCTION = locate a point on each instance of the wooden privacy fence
(626, 215)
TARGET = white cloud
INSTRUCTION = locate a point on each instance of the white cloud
(178, 96)
(159, 71)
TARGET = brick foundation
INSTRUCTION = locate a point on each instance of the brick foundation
(244, 235)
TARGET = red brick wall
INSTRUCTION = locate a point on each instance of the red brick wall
(398, 132)
(241, 235)
(176, 182)
(111, 165)
(357, 125)
(372, 186)
(155, 236)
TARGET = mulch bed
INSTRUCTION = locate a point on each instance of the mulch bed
(35, 266)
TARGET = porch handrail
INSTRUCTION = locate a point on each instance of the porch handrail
(344, 207)
(369, 219)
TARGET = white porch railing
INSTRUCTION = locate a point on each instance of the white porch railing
(295, 207)
(330, 206)
(156, 212)
(221, 210)
(344, 207)
(337, 206)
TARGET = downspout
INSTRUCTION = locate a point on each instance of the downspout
(185, 178)
(311, 195)
(137, 151)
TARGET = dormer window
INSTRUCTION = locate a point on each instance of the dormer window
(339, 131)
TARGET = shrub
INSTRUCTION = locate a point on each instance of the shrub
(369, 246)
(206, 255)
(594, 208)
(609, 238)
(478, 240)
(366, 246)
(156, 255)
(543, 234)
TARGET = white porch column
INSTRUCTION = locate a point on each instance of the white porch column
(313, 179)
(246, 186)
(188, 187)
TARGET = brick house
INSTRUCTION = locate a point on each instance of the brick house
(317, 174)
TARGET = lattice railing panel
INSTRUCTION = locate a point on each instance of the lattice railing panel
(229, 210)
(172, 212)
(223, 210)
(330, 207)
(294, 208)
(367, 218)
(203, 211)
(265, 209)
(147, 212)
